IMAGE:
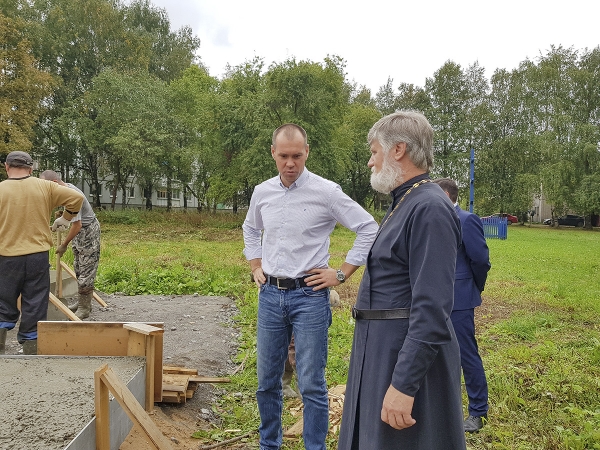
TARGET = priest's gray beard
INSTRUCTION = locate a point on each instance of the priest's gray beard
(388, 178)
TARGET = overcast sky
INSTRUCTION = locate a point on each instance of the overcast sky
(407, 41)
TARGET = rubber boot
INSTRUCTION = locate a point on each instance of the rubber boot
(3, 332)
(30, 347)
(288, 391)
(72, 304)
(85, 306)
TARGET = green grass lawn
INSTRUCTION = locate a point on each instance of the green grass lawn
(539, 327)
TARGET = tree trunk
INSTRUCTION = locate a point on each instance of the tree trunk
(94, 183)
(235, 203)
(148, 195)
(169, 194)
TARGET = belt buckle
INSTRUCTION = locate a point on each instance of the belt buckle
(354, 312)
(280, 287)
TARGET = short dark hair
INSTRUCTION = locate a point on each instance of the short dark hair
(289, 129)
(449, 186)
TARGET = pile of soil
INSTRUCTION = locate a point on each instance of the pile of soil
(199, 334)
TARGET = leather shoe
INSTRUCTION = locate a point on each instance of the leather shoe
(474, 423)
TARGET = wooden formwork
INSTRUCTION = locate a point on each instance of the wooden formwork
(108, 339)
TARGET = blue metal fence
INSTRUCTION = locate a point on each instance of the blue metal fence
(495, 227)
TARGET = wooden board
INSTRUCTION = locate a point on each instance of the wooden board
(199, 379)
(180, 370)
(84, 338)
(105, 376)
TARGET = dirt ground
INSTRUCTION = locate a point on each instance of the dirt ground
(199, 334)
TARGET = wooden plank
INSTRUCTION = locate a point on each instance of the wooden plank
(134, 410)
(85, 338)
(180, 370)
(63, 308)
(170, 397)
(59, 289)
(150, 362)
(174, 388)
(143, 328)
(173, 378)
(101, 404)
(158, 367)
(200, 379)
(136, 344)
(73, 275)
(189, 393)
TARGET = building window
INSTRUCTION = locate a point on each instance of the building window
(131, 192)
(162, 193)
(99, 187)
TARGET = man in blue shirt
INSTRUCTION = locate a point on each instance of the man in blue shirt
(472, 266)
(286, 237)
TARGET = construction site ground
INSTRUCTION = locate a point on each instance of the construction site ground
(199, 334)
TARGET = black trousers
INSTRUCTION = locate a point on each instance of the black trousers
(28, 276)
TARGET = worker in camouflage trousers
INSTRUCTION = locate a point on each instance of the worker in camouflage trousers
(84, 236)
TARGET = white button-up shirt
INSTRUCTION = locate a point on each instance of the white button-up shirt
(289, 228)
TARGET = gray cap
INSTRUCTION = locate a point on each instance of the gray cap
(19, 159)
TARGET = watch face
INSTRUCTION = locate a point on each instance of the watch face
(340, 275)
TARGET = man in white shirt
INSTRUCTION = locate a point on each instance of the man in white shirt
(286, 237)
(84, 234)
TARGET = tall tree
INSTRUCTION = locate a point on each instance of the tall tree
(23, 87)
(171, 52)
(193, 102)
(130, 127)
(353, 151)
(243, 135)
(448, 93)
(315, 96)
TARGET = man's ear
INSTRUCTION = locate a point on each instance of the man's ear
(273, 151)
(398, 151)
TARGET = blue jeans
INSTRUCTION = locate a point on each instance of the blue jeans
(307, 314)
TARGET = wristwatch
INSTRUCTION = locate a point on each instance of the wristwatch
(341, 276)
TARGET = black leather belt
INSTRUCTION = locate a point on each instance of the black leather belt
(380, 314)
(286, 283)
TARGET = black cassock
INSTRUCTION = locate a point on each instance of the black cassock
(411, 265)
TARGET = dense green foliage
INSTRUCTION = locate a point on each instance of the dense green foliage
(115, 96)
(538, 326)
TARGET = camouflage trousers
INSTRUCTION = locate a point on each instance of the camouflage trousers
(86, 251)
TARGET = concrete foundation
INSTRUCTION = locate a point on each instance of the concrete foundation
(120, 423)
(49, 401)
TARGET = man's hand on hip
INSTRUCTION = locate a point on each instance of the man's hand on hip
(397, 409)
(322, 278)
(259, 276)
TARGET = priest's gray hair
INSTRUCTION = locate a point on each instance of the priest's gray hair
(410, 127)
